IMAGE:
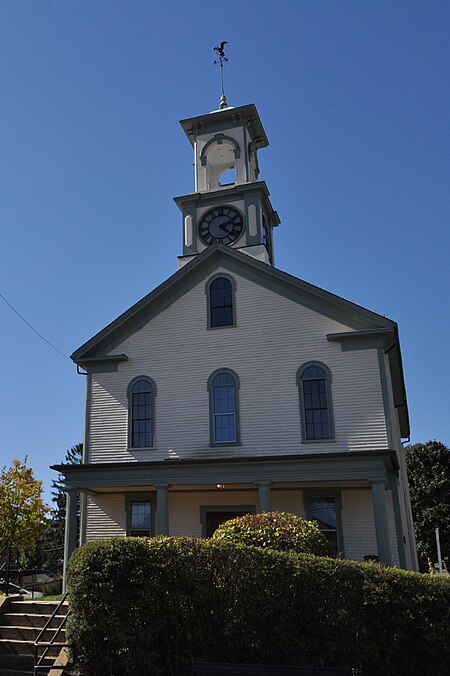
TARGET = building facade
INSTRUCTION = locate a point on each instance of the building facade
(234, 387)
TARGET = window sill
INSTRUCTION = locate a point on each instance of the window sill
(319, 441)
(130, 449)
(225, 326)
(225, 444)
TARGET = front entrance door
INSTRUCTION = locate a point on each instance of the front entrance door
(214, 519)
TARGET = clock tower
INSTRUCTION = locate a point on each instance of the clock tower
(230, 204)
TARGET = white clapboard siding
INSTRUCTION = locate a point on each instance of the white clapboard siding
(288, 501)
(184, 508)
(105, 517)
(358, 524)
(274, 336)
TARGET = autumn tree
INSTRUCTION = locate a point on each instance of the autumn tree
(429, 486)
(23, 512)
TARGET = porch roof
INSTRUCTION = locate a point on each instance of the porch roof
(370, 465)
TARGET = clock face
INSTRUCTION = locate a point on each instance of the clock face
(221, 224)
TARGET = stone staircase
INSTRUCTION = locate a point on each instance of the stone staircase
(20, 624)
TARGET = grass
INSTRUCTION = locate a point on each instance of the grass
(56, 597)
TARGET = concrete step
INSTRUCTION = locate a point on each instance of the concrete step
(17, 647)
(16, 664)
(28, 620)
(20, 626)
(30, 634)
(37, 607)
(20, 662)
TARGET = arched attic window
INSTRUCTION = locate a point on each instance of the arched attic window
(141, 412)
(223, 387)
(314, 385)
(221, 302)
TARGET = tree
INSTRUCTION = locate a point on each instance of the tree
(73, 456)
(429, 485)
(23, 512)
(49, 551)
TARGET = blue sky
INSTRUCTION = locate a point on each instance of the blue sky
(354, 98)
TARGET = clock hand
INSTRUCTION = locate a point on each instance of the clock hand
(224, 226)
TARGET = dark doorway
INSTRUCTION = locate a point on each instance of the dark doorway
(214, 519)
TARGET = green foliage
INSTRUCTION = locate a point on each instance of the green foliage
(275, 530)
(429, 485)
(23, 513)
(150, 606)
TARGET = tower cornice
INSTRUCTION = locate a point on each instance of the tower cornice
(209, 197)
(227, 117)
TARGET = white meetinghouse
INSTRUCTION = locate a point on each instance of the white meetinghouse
(234, 387)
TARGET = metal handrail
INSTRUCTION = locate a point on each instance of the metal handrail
(15, 578)
(38, 660)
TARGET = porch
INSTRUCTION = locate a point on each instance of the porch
(356, 491)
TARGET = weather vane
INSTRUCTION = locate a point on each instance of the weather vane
(222, 58)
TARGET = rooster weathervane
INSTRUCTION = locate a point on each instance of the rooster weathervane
(220, 61)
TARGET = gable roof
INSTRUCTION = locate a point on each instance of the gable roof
(325, 302)
(362, 323)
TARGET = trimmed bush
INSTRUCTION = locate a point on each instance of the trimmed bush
(150, 606)
(275, 530)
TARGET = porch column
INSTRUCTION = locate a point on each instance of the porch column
(381, 521)
(162, 509)
(398, 521)
(264, 497)
(70, 536)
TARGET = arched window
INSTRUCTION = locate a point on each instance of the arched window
(314, 384)
(223, 389)
(221, 310)
(141, 412)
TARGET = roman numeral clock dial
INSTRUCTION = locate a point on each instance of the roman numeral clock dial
(221, 224)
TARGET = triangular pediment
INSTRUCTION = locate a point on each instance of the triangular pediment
(355, 317)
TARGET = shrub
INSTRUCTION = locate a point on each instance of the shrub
(150, 606)
(275, 530)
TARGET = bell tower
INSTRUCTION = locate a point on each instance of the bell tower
(230, 204)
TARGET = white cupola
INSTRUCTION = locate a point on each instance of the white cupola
(229, 205)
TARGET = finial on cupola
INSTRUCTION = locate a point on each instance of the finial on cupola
(220, 61)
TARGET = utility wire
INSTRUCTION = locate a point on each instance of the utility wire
(33, 329)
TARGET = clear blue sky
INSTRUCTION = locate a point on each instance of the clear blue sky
(355, 100)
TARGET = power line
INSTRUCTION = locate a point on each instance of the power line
(33, 329)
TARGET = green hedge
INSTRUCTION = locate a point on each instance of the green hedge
(275, 530)
(150, 606)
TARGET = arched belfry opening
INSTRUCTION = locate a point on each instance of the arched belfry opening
(218, 162)
(228, 177)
